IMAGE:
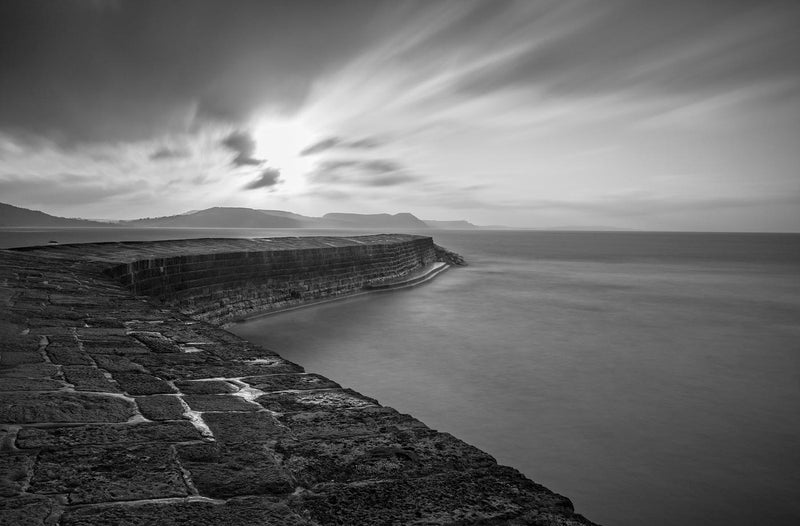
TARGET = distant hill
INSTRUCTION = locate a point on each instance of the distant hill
(402, 220)
(236, 217)
(308, 222)
(451, 225)
(219, 217)
(15, 216)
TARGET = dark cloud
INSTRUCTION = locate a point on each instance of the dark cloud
(166, 153)
(75, 73)
(381, 166)
(337, 142)
(244, 146)
(679, 47)
(268, 178)
(321, 146)
(370, 172)
(65, 189)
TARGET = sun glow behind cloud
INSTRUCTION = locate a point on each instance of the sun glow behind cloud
(280, 141)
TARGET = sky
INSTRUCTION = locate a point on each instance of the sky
(654, 115)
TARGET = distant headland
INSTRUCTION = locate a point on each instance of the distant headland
(235, 217)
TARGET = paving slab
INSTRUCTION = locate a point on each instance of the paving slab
(329, 424)
(219, 402)
(63, 355)
(88, 378)
(15, 470)
(235, 512)
(32, 408)
(195, 366)
(31, 370)
(286, 382)
(499, 496)
(30, 384)
(115, 363)
(136, 383)
(157, 343)
(106, 434)
(230, 470)
(14, 358)
(26, 510)
(206, 387)
(403, 454)
(243, 427)
(238, 351)
(334, 399)
(94, 474)
(160, 407)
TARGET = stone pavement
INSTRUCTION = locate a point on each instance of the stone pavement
(117, 411)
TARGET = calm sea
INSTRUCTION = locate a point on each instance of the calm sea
(654, 378)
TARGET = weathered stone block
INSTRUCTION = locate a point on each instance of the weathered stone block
(329, 424)
(129, 347)
(26, 510)
(31, 408)
(157, 343)
(335, 399)
(114, 363)
(141, 384)
(13, 358)
(224, 471)
(31, 370)
(378, 457)
(14, 473)
(96, 474)
(243, 427)
(160, 407)
(248, 511)
(214, 402)
(240, 350)
(285, 382)
(29, 384)
(64, 355)
(206, 387)
(212, 369)
(106, 434)
(86, 378)
(495, 495)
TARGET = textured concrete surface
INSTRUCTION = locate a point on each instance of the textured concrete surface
(117, 409)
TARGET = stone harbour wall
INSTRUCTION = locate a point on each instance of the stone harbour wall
(118, 409)
(231, 285)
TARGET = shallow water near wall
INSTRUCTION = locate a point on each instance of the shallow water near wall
(652, 378)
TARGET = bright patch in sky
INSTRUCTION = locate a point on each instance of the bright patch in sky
(280, 141)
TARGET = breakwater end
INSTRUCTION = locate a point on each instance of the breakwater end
(123, 401)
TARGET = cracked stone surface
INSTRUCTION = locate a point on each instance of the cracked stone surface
(160, 407)
(63, 407)
(95, 474)
(231, 470)
(124, 410)
(235, 512)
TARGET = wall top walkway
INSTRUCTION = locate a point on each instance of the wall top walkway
(127, 251)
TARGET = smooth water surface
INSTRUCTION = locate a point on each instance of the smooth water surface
(654, 378)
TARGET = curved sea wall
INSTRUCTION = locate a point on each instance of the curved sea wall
(222, 280)
(118, 409)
